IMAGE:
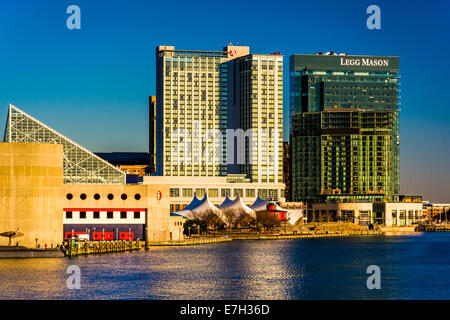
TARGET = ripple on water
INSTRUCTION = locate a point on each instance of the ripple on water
(413, 267)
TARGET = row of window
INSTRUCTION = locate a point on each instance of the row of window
(103, 235)
(109, 215)
(200, 192)
(110, 196)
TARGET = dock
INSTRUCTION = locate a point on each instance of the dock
(16, 252)
(191, 242)
(304, 235)
(98, 247)
(433, 228)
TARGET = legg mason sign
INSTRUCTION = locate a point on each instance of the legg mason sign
(364, 62)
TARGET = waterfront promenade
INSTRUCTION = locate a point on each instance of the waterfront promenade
(309, 231)
(99, 247)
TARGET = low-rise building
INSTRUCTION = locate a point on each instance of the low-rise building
(365, 213)
(439, 212)
(182, 189)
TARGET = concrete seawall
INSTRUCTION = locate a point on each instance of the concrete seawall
(23, 252)
(398, 229)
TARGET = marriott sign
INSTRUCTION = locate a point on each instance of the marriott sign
(364, 62)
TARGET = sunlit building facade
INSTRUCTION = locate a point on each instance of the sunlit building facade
(190, 101)
(202, 96)
(256, 100)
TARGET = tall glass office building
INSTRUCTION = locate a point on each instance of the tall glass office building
(345, 127)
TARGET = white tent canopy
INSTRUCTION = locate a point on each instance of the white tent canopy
(237, 205)
(200, 209)
(259, 204)
(194, 203)
(225, 202)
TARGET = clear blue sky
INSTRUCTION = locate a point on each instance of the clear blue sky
(93, 84)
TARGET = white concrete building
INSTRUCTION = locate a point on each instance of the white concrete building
(182, 189)
(386, 214)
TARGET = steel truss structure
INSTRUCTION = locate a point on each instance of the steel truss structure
(81, 166)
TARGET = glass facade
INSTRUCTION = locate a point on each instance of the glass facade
(345, 127)
(80, 165)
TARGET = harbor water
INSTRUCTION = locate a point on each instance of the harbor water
(413, 266)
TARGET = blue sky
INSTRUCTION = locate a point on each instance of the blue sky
(93, 84)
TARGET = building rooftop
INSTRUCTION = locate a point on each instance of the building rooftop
(125, 158)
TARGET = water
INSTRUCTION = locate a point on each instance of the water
(413, 266)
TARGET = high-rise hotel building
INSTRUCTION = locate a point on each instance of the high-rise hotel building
(190, 99)
(255, 97)
(345, 127)
(206, 101)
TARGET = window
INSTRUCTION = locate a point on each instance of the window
(137, 196)
(187, 192)
(123, 215)
(238, 192)
(110, 196)
(124, 196)
(225, 192)
(250, 193)
(69, 215)
(200, 192)
(263, 193)
(69, 196)
(213, 193)
(96, 215)
(174, 192)
(137, 214)
(109, 215)
(83, 215)
(96, 196)
(83, 196)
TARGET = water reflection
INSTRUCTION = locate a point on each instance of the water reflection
(413, 267)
